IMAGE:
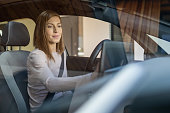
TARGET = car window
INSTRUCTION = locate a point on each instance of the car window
(82, 34)
(147, 27)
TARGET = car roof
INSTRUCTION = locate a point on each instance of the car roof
(14, 9)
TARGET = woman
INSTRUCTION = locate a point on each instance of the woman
(44, 62)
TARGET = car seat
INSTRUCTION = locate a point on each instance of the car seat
(13, 73)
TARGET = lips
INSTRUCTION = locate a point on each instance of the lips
(56, 36)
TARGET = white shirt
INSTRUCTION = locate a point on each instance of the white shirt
(43, 77)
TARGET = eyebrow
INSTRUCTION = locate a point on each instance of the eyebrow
(52, 23)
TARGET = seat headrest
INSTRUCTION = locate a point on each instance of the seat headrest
(15, 34)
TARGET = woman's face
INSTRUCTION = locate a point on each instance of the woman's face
(53, 30)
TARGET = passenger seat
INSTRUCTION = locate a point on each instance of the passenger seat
(13, 72)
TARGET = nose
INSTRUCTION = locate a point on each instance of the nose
(55, 30)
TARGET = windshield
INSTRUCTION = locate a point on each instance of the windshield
(146, 24)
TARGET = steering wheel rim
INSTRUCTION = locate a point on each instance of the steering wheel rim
(91, 61)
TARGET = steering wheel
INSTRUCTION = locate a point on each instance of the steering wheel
(91, 64)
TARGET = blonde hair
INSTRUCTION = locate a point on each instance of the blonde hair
(40, 39)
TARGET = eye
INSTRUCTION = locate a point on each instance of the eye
(49, 26)
(59, 25)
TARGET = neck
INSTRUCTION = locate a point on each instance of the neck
(52, 47)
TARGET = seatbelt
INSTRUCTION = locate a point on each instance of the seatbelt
(8, 75)
(50, 96)
(61, 66)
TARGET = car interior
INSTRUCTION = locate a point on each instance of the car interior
(13, 65)
(134, 84)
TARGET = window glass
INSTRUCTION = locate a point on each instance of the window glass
(82, 34)
(146, 28)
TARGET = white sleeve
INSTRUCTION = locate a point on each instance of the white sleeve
(66, 83)
(38, 66)
(41, 72)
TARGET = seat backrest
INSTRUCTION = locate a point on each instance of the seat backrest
(13, 72)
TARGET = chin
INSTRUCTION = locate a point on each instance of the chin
(54, 41)
(57, 41)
